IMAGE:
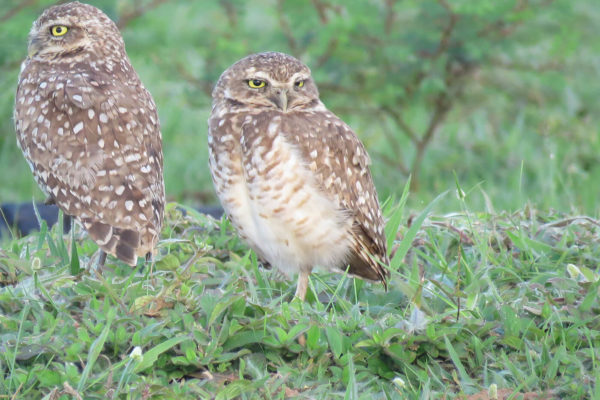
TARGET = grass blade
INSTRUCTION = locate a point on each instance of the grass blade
(42, 235)
(351, 389)
(150, 357)
(13, 361)
(75, 266)
(395, 218)
(457, 363)
(412, 232)
(62, 247)
(93, 354)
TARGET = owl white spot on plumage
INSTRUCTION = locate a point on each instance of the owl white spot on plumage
(56, 92)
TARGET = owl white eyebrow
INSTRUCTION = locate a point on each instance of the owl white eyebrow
(260, 75)
(296, 76)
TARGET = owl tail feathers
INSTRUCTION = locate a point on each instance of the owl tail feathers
(364, 262)
(121, 243)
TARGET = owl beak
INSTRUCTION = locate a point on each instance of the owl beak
(281, 100)
(35, 45)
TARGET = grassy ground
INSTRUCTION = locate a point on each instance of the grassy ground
(524, 125)
(480, 305)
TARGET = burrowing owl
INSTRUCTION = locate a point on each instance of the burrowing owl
(90, 131)
(293, 178)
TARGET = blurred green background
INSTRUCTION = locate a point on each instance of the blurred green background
(502, 94)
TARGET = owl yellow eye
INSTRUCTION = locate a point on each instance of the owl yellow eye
(58, 30)
(256, 83)
(299, 84)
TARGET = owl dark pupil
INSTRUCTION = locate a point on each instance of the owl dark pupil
(256, 82)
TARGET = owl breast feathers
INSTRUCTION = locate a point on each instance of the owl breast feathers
(90, 130)
(293, 178)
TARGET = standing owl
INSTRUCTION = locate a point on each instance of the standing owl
(293, 178)
(90, 131)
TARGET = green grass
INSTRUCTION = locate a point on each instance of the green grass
(482, 302)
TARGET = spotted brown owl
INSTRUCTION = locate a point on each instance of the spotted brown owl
(293, 178)
(90, 130)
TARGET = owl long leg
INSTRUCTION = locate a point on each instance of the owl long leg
(301, 294)
(102, 259)
(302, 285)
(149, 261)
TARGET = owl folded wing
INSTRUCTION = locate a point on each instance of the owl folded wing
(341, 166)
(99, 157)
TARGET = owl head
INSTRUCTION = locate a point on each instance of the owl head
(68, 31)
(271, 81)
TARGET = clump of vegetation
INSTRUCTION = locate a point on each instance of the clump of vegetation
(482, 304)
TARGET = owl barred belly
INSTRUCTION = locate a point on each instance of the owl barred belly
(293, 178)
(278, 207)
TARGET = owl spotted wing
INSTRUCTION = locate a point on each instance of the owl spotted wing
(341, 166)
(98, 155)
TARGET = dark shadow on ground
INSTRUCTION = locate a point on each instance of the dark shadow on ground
(19, 219)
